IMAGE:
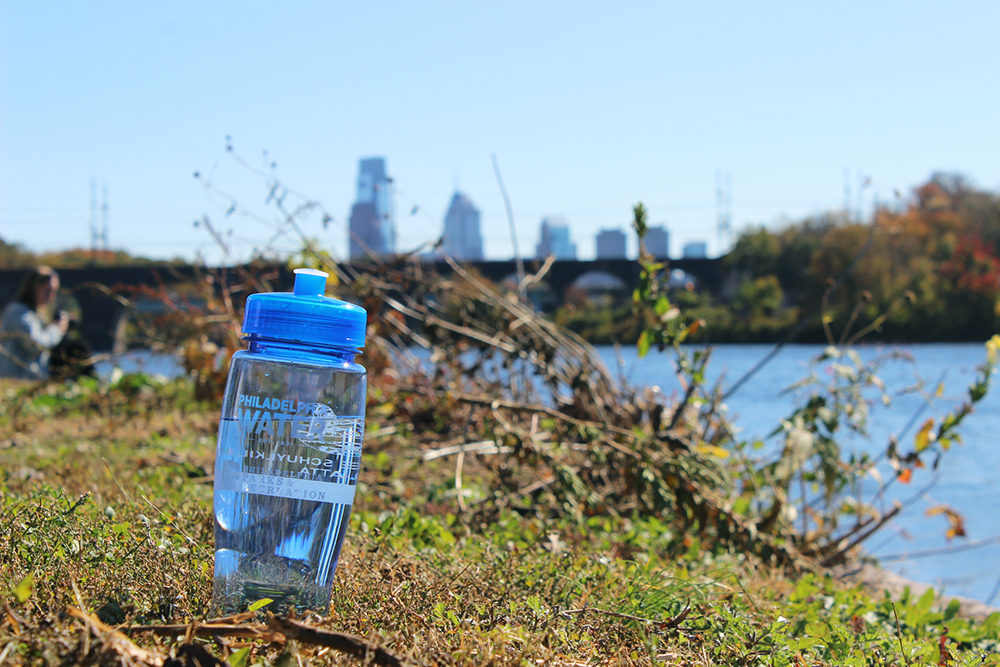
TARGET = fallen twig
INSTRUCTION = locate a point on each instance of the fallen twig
(338, 641)
(240, 631)
(482, 447)
(562, 416)
(118, 642)
(278, 629)
(539, 409)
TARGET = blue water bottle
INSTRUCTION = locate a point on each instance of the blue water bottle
(289, 449)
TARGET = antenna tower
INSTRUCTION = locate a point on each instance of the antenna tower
(104, 219)
(847, 193)
(724, 209)
(93, 218)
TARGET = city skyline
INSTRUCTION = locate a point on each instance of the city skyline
(372, 227)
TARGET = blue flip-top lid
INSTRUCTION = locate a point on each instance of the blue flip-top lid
(306, 315)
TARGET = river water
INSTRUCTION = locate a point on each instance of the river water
(966, 478)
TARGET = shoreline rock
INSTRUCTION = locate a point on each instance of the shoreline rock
(876, 579)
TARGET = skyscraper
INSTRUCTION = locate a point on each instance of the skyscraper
(462, 239)
(554, 240)
(373, 220)
(658, 242)
(611, 244)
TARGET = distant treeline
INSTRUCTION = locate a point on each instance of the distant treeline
(15, 256)
(924, 270)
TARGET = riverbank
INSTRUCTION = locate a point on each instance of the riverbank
(879, 582)
(601, 325)
(106, 500)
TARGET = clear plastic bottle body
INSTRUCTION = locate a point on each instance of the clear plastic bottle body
(286, 469)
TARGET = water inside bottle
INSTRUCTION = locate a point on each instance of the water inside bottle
(284, 486)
(262, 552)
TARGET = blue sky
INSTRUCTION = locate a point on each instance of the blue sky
(589, 107)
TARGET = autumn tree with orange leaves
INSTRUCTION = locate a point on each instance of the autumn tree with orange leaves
(927, 271)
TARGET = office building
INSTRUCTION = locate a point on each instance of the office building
(373, 222)
(658, 242)
(462, 238)
(695, 250)
(555, 240)
(611, 244)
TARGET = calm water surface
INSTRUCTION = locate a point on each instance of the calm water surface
(142, 361)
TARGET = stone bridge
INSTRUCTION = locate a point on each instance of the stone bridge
(103, 316)
(708, 273)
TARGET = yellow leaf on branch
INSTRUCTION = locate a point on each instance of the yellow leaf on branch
(924, 437)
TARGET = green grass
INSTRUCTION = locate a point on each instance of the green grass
(104, 505)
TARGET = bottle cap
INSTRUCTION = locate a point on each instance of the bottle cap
(305, 314)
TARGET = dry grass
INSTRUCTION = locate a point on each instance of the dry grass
(108, 508)
(106, 504)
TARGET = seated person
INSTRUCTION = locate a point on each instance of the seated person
(25, 340)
